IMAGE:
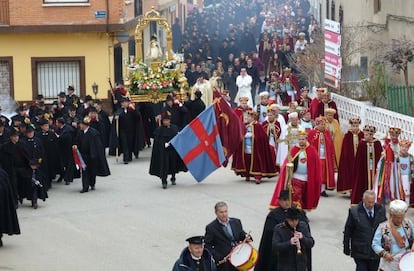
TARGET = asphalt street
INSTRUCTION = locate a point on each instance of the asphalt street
(130, 223)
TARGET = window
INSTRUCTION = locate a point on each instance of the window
(6, 77)
(333, 11)
(327, 9)
(53, 75)
(377, 6)
(138, 8)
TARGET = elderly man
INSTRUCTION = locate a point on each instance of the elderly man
(195, 257)
(393, 238)
(360, 227)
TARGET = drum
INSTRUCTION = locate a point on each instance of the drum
(407, 261)
(243, 257)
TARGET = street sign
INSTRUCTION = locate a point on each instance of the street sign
(100, 14)
(333, 60)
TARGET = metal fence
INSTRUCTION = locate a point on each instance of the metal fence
(397, 99)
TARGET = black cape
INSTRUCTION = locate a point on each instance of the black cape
(9, 223)
(268, 258)
(165, 161)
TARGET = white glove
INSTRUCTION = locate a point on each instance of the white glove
(166, 144)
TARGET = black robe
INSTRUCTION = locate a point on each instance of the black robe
(288, 259)
(91, 148)
(51, 154)
(165, 161)
(65, 142)
(104, 118)
(268, 259)
(8, 156)
(9, 223)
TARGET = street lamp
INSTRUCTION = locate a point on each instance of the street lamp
(95, 89)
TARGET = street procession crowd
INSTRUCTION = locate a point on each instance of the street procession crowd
(248, 50)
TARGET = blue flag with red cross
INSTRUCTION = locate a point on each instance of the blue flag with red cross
(199, 145)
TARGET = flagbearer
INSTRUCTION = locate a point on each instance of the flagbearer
(164, 158)
(254, 157)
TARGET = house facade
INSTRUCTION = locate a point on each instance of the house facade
(47, 45)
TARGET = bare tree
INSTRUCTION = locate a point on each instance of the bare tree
(398, 54)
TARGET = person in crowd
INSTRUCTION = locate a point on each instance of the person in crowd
(363, 219)
(229, 81)
(349, 148)
(9, 222)
(321, 139)
(388, 183)
(254, 157)
(306, 175)
(292, 242)
(93, 153)
(268, 259)
(195, 257)
(367, 156)
(261, 108)
(66, 139)
(244, 84)
(222, 234)
(332, 125)
(164, 158)
(326, 103)
(393, 238)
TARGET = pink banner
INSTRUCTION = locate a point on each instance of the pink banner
(333, 37)
(332, 59)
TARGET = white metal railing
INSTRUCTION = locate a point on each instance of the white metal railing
(382, 119)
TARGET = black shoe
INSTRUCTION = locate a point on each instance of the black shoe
(164, 186)
(67, 183)
(60, 179)
(324, 194)
(83, 191)
(173, 181)
(126, 162)
(92, 187)
(34, 205)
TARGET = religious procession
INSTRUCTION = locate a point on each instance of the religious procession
(230, 97)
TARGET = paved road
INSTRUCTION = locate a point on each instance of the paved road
(130, 223)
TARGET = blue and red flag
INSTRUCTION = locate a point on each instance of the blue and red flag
(77, 157)
(199, 145)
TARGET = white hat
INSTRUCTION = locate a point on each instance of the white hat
(293, 115)
(264, 93)
(398, 207)
(274, 106)
(302, 34)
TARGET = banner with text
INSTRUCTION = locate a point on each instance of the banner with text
(333, 59)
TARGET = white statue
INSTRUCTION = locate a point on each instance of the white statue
(154, 52)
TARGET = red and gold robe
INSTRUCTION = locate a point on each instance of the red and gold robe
(272, 128)
(322, 106)
(312, 190)
(328, 174)
(261, 159)
(347, 160)
(364, 174)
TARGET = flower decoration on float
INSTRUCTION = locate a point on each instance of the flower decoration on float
(143, 79)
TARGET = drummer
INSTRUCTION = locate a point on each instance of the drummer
(195, 257)
(222, 234)
(393, 237)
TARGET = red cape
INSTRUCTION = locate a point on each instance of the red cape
(261, 163)
(312, 191)
(321, 109)
(239, 112)
(313, 108)
(346, 163)
(314, 138)
(360, 175)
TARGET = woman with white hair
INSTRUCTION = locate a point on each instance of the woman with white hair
(394, 237)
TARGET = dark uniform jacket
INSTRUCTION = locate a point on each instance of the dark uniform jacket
(218, 242)
(187, 263)
(359, 231)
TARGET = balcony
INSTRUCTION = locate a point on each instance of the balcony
(4, 12)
